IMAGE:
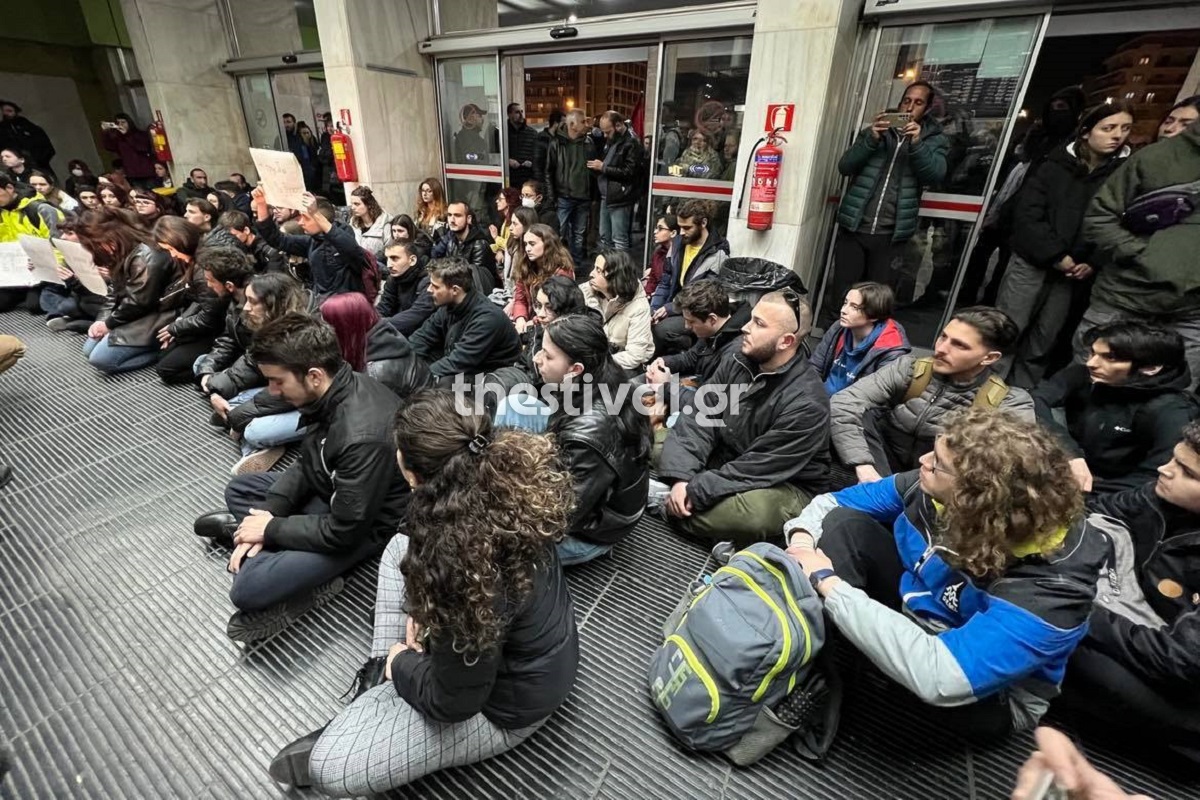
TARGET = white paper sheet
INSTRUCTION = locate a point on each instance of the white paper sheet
(79, 260)
(41, 255)
(282, 180)
(14, 265)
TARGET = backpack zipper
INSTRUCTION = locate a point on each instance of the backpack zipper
(713, 695)
(786, 652)
(791, 601)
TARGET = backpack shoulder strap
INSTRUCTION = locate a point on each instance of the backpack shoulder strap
(922, 375)
(991, 394)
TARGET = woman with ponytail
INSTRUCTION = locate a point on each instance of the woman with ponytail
(475, 639)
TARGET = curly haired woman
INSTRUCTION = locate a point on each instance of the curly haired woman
(474, 629)
(968, 581)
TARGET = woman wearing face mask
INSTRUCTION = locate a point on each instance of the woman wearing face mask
(1049, 271)
(123, 139)
(41, 183)
(533, 195)
(614, 289)
(81, 175)
(544, 255)
(369, 221)
(666, 239)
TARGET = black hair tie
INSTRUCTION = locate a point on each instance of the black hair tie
(477, 444)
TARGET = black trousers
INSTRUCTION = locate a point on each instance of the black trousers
(864, 555)
(175, 366)
(858, 257)
(1129, 708)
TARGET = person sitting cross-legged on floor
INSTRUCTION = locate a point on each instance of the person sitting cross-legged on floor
(296, 532)
(884, 422)
(969, 582)
(1124, 409)
(1137, 671)
(405, 300)
(475, 644)
(263, 422)
(754, 447)
(862, 340)
(605, 448)
(467, 334)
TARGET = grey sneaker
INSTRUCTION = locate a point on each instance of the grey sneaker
(258, 461)
(58, 324)
(254, 626)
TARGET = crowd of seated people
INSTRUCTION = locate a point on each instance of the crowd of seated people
(992, 549)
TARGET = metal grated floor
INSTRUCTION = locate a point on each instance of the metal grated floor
(118, 680)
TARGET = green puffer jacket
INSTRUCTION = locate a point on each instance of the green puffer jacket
(1155, 274)
(868, 162)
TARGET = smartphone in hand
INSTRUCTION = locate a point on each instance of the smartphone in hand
(896, 119)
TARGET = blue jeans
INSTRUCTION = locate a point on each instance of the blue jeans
(273, 576)
(614, 226)
(113, 358)
(577, 551)
(56, 301)
(271, 431)
(573, 224)
(523, 411)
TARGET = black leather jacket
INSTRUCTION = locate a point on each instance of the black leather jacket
(476, 250)
(203, 311)
(392, 362)
(611, 479)
(347, 459)
(134, 311)
(619, 176)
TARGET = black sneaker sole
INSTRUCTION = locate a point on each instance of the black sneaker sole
(254, 626)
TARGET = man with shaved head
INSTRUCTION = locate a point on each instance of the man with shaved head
(754, 446)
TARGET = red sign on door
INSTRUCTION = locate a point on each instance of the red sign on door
(779, 117)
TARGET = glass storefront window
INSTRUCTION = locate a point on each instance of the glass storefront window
(977, 69)
(469, 91)
(696, 129)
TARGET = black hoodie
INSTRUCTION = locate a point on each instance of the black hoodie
(405, 299)
(1126, 432)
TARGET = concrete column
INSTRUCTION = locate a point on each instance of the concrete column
(179, 46)
(802, 54)
(373, 68)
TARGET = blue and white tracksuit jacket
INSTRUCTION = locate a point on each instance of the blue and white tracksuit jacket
(961, 639)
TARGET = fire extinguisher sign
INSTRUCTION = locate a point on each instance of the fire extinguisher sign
(779, 117)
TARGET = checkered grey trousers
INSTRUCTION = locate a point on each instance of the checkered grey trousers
(380, 742)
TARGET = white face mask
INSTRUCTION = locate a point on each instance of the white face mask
(77, 172)
(529, 202)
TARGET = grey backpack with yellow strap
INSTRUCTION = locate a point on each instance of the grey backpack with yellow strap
(735, 649)
(990, 395)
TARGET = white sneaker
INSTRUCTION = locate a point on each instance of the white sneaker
(58, 323)
(258, 461)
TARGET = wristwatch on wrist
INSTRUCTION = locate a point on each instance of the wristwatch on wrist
(819, 575)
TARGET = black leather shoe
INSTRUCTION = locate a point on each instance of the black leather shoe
(6, 475)
(369, 675)
(290, 765)
(218, 526)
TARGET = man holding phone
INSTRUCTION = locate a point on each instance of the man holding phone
(889, 165)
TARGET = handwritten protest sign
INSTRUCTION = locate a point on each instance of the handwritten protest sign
(80, 262)
(282, 180)
(41, 256)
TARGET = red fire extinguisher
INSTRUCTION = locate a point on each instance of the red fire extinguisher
(158, 138)
(343, 156)
(765, 183)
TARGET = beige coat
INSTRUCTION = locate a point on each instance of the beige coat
(627, 326)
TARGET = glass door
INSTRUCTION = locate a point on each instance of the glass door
(979, 70)
(471, 111)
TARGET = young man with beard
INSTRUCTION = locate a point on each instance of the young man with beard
(753, 448)
(464, 239)
(295, 532)
(700, 255)
(884, 423)
(229, 375)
